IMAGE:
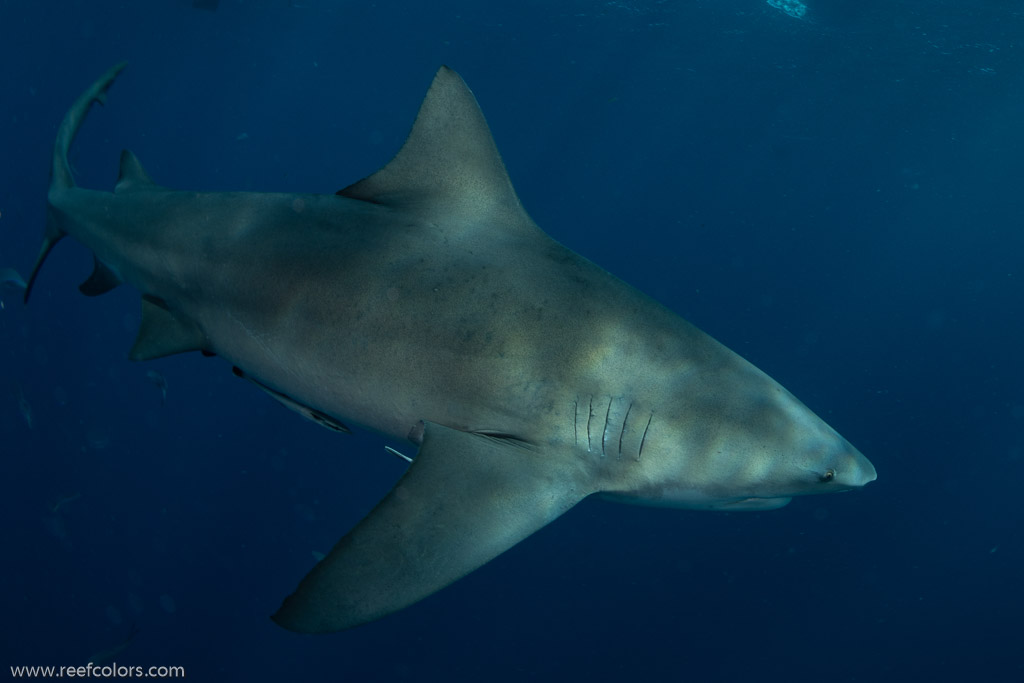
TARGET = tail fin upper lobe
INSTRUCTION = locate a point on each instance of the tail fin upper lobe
(60, 172)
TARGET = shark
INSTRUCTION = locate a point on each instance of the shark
(423, 303)
(9, 279)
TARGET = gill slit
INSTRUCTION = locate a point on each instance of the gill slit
(590, 416)
(622, 432)
(643, 439)
(575, 421)
(607, 415)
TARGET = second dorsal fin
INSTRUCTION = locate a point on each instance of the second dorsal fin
(131, 177)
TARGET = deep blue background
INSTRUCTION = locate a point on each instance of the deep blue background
(838, 199)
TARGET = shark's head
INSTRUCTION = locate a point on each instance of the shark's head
(732, 438)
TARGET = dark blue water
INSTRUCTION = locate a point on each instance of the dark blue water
(837, 198)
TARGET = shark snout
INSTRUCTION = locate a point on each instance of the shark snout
(856, 472)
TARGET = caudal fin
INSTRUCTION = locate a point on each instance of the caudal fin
(60, 171)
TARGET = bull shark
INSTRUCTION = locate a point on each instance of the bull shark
(423, 303)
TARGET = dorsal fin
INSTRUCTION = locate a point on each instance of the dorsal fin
(131, 176)
(449, 165)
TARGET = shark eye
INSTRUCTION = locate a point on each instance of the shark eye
(828, 475)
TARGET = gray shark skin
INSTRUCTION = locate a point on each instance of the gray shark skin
(422, 302)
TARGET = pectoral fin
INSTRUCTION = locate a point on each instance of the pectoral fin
(465, 499)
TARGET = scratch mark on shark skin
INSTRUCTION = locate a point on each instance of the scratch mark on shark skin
(261, 341)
